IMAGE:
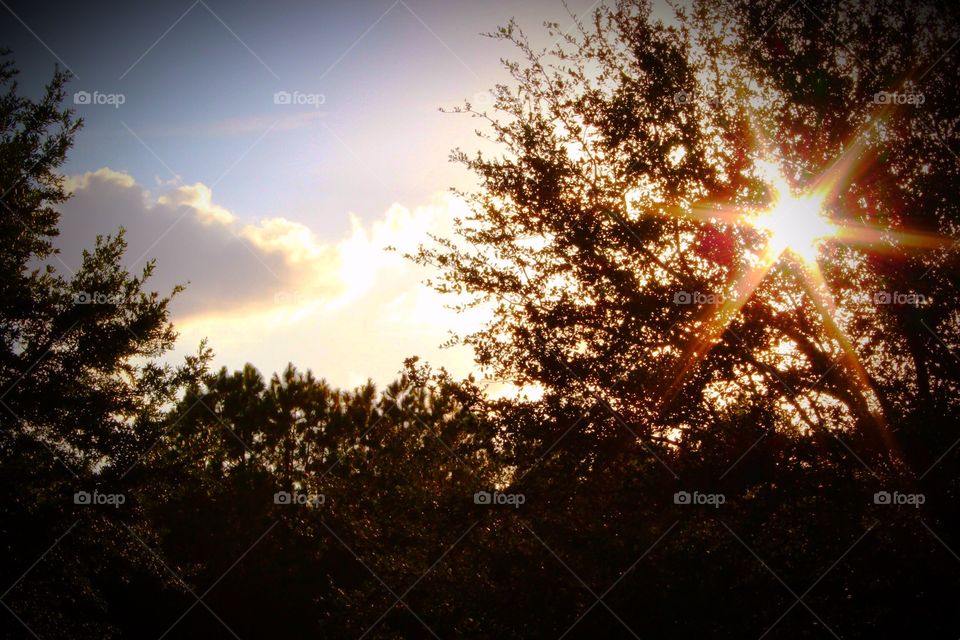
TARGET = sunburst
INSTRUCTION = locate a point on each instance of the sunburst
(796, 224)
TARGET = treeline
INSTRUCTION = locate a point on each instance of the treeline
(286, 508)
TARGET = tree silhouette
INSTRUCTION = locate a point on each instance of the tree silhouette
(81, 395)
(396, 471)
(619, 234)
(625, 150)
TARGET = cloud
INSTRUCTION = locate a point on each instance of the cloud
(273, 291)
(380, 312)
(200, 198)
(193, 240)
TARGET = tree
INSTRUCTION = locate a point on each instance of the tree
(394, 472)
(625, 235)
(81, 396)
(628, 144)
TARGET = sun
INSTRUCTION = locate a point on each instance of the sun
(795, 223)
(798, 225)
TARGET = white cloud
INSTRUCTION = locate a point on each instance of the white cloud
(105, 174)
(200, 198)
(273, 291)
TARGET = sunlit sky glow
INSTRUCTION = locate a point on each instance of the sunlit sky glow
(278, 215)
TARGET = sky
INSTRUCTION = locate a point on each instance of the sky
(269, 153)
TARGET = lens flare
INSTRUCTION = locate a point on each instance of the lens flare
(795, 222)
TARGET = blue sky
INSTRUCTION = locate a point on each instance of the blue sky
(201, 98)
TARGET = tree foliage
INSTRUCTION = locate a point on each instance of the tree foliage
(81, 394)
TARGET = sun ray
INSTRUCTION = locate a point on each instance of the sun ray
(797, 224)
(884, 239)
(716, 321)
